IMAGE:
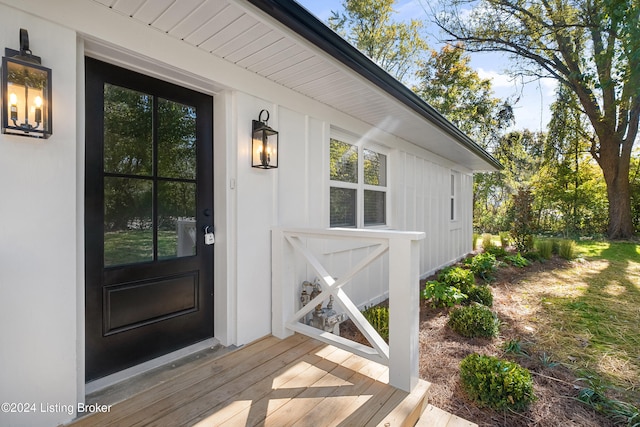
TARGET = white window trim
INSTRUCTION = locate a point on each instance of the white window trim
(361, 143)
(454, 190)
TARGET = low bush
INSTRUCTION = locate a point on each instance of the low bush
(532, 256)
(567, 249)
(474, 321)
(544, 248)
(504, 239)
(442, 295)
(497, 251)
(480, 294)
(486, 241)
(496, 383)
(458, 277)
(483, 265)
(378, 317)
(517, 260)
(476, 236)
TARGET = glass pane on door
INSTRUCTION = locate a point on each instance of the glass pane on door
(177, 234)
(176, 140)
(128, 220)
(128, 131)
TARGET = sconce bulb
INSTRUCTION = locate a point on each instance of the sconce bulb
(13, 99)
(38, 102)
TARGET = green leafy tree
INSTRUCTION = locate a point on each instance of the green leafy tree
(368, 25)
(592, 47)
(450, 85)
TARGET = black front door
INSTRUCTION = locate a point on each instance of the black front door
(148, 204)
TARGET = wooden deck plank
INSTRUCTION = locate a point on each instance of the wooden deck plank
(220, 370)
(331, 412)
(336, 378)
(408, 411)
(188, 404)
(243, 401)
(262, 409)
(297, 382)
(436, 417)
(250, 387)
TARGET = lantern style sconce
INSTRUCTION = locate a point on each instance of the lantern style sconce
(265, 144)
(26, 92)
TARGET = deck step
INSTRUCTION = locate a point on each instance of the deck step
(436, 417)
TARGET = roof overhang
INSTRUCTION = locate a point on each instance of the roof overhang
(281, 41)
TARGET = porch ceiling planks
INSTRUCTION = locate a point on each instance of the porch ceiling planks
(297, 381)
(240, 34)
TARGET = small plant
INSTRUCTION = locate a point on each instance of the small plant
(497, 251)
(441, 294)
(486, 241)
(547, 361)
(378, 317)
(567, 249)
(483, 265)
(458, 277)
(594, 395)
(514, 347)
(504, 239)
(517, 260)
(474, 245)
(496, 383)
(480, 294)
(555, 246)
(532, 256)
(474, 321)
(544, 248)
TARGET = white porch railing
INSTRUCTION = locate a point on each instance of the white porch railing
(401, 355)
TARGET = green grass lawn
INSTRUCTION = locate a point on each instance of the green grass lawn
(592, 310)
(131, 246)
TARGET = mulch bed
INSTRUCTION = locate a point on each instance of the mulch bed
(441, 351)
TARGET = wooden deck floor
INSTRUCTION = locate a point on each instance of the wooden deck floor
(294, 382)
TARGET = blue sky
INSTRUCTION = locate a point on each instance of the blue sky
(531, 111)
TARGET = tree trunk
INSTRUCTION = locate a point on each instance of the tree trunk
(616, 176)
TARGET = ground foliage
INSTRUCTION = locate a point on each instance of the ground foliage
(572, 324)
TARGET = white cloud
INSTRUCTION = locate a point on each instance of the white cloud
(498, 80)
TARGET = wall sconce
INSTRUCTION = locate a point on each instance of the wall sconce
(26, 92)
(265, 144)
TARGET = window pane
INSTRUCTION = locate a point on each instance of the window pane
(342, 207)
(375, 168)
(343, 159)
(375, 207)
(176, 140)
(128, 226)
(176, 219)
(127, 131)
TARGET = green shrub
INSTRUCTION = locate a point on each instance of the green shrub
(483, 265)
(480, 294)
(504, 239)
(567, 249)
(486, 241)
(532, 256)
(474, 321)
(441, 294)
(476, 236)
(517, 260)
(555, 246)
(544, 248)
(496, 383)
(378, 316)
(497, 251)
(458, 277)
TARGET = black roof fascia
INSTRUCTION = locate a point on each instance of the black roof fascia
(298, 19)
